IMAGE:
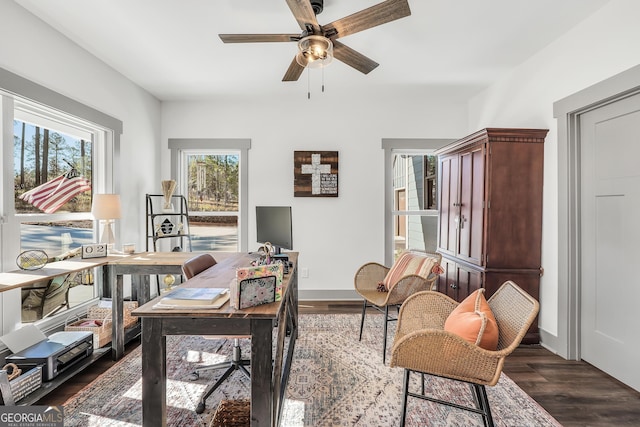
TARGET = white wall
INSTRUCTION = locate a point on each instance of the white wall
(333, 235)
(601, 46)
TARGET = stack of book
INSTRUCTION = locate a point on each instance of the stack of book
(194, 298)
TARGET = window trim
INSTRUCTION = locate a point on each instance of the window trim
(101, 152)
(14, 88)
(240, 145)
(13, 84)
(392, 146)
(17, 91)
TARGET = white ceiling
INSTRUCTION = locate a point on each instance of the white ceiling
(171, 47)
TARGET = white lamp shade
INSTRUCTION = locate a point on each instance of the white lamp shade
(106, 206)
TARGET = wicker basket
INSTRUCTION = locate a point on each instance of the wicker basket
(232, 413)
(101, 334)
(102, 312)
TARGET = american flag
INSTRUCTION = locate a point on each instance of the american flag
(50, 196)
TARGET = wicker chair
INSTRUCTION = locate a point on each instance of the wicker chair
(370, 275)
(190, 268)
(422, 345)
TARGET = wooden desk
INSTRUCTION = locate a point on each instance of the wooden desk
(112, 268)
(269, 373)
(139, 266)
(24, 278)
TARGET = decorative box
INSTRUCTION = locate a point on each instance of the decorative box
(23, 385)
(256, 285)
(276, 269)
(256, 291)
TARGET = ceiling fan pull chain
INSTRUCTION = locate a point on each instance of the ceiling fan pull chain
(308, 84)
(322, 79)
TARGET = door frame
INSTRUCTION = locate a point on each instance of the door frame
(568, 112)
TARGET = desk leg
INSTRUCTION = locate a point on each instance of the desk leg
(154, 373)
(261, 372)
(145, 290)
(140, 288)
(117, 316)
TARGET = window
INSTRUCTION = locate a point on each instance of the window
(52, 178)
(415, 214)
(212, 189)
(411, 194)
(54, 158)
(53, 164)
(212, 174)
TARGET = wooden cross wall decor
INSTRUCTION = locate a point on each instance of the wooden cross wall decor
(315, 174)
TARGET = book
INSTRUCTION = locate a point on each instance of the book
(194, 298)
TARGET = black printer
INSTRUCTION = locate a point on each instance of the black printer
(58, 352)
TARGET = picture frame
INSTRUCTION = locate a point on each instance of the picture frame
(315, 174)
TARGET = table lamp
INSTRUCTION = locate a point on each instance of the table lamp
(106, 207)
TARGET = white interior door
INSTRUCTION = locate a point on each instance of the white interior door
(610, 239)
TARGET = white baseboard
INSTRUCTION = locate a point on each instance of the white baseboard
(324, 295)
(550, 342)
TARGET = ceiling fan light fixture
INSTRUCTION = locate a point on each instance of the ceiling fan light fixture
(314, 51)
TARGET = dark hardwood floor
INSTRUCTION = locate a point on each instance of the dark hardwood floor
(573, 392)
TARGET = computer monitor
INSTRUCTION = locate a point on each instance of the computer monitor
(273, 224)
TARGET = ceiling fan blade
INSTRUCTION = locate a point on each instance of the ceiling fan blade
(258, 38)
(373, 16)
(353, 58)
(293, 72)
(303, 12)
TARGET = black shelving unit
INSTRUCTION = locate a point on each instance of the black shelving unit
(163, 224)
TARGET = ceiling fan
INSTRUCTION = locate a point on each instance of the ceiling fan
(317, 43)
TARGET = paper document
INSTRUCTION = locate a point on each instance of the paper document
(193, 296)
(23, 338)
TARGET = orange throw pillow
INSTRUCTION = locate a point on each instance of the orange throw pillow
(474, 321)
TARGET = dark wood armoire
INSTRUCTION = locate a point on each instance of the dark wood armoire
(490, 212)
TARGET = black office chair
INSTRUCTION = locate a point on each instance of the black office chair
(190, 268)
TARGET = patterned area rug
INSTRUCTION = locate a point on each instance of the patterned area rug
(335, 381)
